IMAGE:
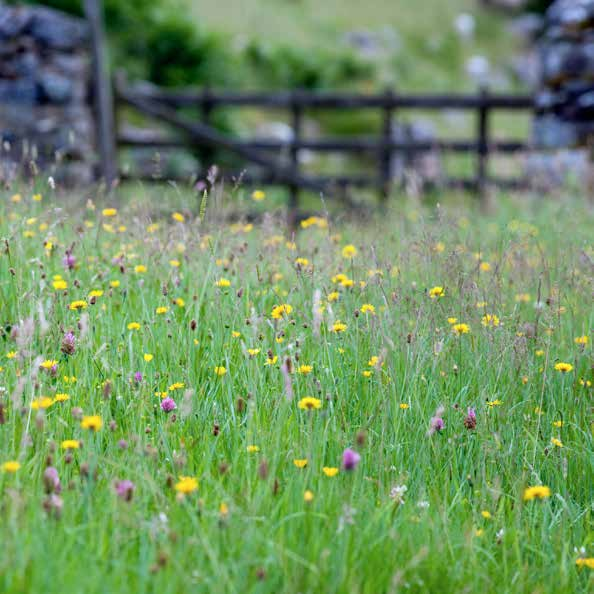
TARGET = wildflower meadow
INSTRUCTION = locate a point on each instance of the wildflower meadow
(195, 404)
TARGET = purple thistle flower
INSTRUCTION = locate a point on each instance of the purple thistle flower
(168, 404)
(68, 343)
(69, 261)
(138, 377)
(51, 480)
(470, 420)
(350, 459)
(437, 424)
(125, 489)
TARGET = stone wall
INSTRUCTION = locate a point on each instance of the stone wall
(565, 100)
(46, 120)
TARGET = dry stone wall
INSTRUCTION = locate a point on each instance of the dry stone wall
(565, 101)
(46, 119)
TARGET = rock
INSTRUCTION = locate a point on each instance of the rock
(527, 27)
(478, 68)
(13, 21)
(55, 88)
(57, 30)
(21, 91)
(465, 25)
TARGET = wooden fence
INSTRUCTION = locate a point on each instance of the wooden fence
(172, 107)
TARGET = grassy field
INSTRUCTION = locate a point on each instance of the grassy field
(421, 51)
(190, 406)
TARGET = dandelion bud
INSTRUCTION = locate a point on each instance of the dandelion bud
(193, 325)
(223, 468)
(240, 405)
(263, 470)
(215, 429)
(112, 425)
(53, 505)
(361, 438)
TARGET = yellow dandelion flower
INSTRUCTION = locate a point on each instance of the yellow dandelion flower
(308, 496)
(252, 449)
(564, 367)
(222, 283)
(538, 492)
(556, 442)
(490, 321)
(109, 212)
(459, 329)
(133, 326)
(309, 403)
(11, 466)
(220, 370)
(330, 471)
(41, 403)
(70, 444)
(585, 562)
(78, 304)
(582, 340)
(339, 327)
(368, 308)
(304, 369)
(140, 269)
(147, 357)
(436, 292)
(178, 216)
(186, 485)
(93, 422)
(258, 195)
(278, 311)
(60, 285)
(300, 462)
(349, 251)
(161, 310)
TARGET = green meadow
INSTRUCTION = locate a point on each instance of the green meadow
(190, 403)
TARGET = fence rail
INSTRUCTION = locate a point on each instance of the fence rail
(165, 105)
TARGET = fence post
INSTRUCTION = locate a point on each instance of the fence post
(483, 143)
(206, 107)
(385, 152)
(296, 124)
(102, 94)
